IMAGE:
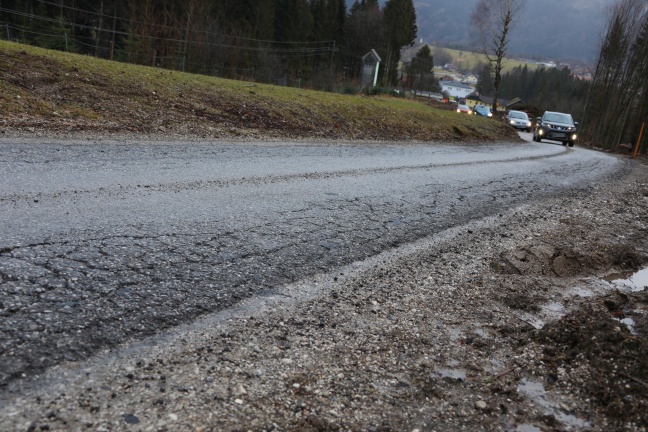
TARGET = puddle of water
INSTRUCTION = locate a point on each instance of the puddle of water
(582, 292)
(536, 393)
(554, 310)
(482, 333)
(457, 374)
(629, 322)
(455, 334)
(527, 428)
(635, 281)
(536, 322)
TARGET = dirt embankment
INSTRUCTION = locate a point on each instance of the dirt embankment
(50, 93)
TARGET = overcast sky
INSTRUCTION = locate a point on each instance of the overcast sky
(555, 29)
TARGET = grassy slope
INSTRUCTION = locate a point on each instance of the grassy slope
(467, 60)
(470, 60)
(55, 92)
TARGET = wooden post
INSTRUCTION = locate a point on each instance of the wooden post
(112, 42)
(643, 125)
(101, 10)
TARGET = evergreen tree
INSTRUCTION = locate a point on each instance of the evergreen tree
(485, 82)
(420, 69)
(364, 31)
(400, 31)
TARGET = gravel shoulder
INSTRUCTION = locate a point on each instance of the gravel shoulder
(501, 324)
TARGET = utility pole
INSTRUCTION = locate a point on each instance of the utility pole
(8, 35)
(99, 31)
(112, 42)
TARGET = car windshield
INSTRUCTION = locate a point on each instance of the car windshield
(518, 115)
(558, 118)
(482, 108)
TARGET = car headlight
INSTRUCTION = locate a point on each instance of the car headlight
(490, 114)
(540, 132)
(574, 137)
(458, 110)
(528, 124)
(512, 122)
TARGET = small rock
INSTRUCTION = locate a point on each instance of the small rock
(131, 418)
(238, 401)
(480, 405)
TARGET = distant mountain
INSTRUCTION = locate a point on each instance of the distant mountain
(554, 29)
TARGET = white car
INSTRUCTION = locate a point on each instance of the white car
(518, 119)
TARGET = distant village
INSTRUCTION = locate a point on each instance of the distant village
(460, 85)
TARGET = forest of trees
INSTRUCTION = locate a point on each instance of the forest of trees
(617, 103)
(314, 43)
(554, 89)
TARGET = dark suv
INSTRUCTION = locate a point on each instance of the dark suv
(556, 126)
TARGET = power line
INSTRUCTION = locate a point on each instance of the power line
(305, 50)
(182, 29)
(302, 52)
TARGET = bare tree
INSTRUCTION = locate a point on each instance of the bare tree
(618, 92)
(492, 20)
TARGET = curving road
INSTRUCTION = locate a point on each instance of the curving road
(104, 242)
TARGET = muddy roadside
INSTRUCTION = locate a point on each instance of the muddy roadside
(502, 324)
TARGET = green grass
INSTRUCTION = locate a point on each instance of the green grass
(53, 91)
(467, 60)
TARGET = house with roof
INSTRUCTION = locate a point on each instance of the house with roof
(470, 79)
(473, 99)
(456, 89)
(503, 105)
(450, 67)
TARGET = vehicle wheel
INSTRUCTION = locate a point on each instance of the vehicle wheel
(564, 143)
(539, 139)
(571, 143)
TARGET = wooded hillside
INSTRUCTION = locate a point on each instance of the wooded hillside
(290, 42)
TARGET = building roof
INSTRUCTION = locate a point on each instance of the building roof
(372, 53)
(488, 100)
(454, 84)
(515, 101)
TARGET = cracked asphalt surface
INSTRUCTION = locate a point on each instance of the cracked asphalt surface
(108, 242)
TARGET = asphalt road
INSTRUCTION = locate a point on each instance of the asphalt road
(104, 242)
